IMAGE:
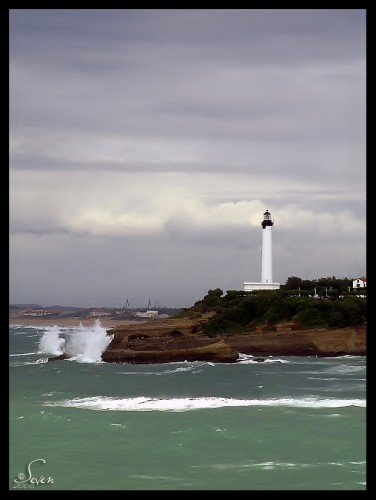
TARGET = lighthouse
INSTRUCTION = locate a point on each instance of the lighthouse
(266, 259)
(266, 253)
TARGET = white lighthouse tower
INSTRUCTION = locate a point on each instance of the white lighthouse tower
(266, 256)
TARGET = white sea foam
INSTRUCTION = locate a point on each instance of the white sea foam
(272, 464)
(27, 334)
(186, 404)
(25, 363)
(249, 358)
(24, 354)
(324, 378)
(164, 372)
(276, 360)
(344, 369)
(84, 344)
(163, 478)
(28, 327)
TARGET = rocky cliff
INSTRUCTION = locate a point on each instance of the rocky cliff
(218, 352)
(177, 340)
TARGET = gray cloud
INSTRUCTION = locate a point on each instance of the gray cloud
(162, 135)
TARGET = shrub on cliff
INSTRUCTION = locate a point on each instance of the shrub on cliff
(241, 312)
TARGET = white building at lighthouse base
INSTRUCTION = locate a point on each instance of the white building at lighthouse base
(250, 287)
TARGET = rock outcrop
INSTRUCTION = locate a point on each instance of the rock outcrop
(179, 340)
(219, 352)
(313, 342)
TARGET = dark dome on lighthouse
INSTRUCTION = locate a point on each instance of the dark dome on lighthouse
(267, 220)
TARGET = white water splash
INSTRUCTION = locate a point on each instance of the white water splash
(84, 344)
(186, 404)
(51, 342)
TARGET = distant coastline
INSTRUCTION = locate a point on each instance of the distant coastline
(69, 322)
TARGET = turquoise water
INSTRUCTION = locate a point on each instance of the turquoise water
(290, 423)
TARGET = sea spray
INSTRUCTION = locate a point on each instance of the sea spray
(88, 344)
(85, 344)
(51, 342)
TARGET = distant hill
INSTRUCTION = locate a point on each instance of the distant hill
(67, 311)
(66, 308)
(26, 306)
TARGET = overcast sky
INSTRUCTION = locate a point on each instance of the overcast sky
(145, 146)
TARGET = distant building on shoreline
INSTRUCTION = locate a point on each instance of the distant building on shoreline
(149, 313)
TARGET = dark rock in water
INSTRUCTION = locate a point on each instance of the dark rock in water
(219, 352)
(58, 358)
(259, 359)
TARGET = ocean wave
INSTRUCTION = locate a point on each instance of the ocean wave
(324, 378)
(340, 370)
(39, 361)
(333, 415)
(26, 327)
(262, 465)
(179, 369)
(273, 464)
(248, 358)
(84, 359)
(200, 403)
(24, 354)
(344, 369)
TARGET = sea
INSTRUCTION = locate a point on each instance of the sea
(288, 423)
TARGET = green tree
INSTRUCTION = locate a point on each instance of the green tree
(213, 298)
(293, 283)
